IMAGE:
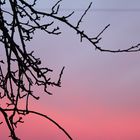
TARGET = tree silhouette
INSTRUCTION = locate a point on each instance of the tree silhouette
(21, 70)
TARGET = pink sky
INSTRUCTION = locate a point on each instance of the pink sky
(99, 98)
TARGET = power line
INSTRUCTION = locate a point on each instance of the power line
(95, 9)
(104, 10)
(91, 10)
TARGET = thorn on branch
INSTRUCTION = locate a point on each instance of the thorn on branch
(9, 104)
(35, 97)
(22, 96)
(1, 61)
(18, 121)
(69, 15)
(60, 76)
(81, 36)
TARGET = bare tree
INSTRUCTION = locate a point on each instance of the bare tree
(23, 69)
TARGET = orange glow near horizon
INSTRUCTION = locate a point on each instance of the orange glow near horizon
(102, 124)
(100, 94)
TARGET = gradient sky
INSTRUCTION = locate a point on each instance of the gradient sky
(99, 98)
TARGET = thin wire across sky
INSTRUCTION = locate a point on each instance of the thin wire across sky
(93, 9)
(104, 9)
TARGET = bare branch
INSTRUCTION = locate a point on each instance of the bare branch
(23, 70)
(42, 115)
(57, 6)
(80, 20)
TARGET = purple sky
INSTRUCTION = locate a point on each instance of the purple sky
(99, 98)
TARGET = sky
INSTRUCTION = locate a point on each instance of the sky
(99, 97)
